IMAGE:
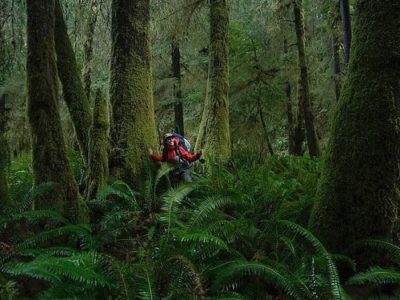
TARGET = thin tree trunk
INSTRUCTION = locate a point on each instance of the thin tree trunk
(133, 128)
(346, 24)
(358, 195)
(69, 74)
(216, 129)
(90, 27)
(304, 81)
(5, 199)
(299, 131)
(289, 108)
(176, 72)
(336, 64)
(98, 146)
(49, 158)
(264, 126)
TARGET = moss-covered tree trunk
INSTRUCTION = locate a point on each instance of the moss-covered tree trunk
(358, 196)
(90, 27)
(98, 146)
(216, 115)
(5, 199)
(69, 74)
(133, 128)
(346, 24)
(336, 49)
(49, 159)
(311, 136)
(176, 72)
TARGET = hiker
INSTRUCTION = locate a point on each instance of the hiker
(176, 151)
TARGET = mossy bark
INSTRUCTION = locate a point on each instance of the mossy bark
(5, 199)
(176, 72)
(133, 128)
(311, 136)
(358, 196)
(49, 159)
(90, 27)
(289, 107)
(69, 74)
(216, 114)
(98, 146)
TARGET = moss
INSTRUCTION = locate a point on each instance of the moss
(73, 91)
(133, 128)
(215, 122)
(49, 159)
(98, 146)
(358, 193)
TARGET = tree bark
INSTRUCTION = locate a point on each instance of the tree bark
(49, 158)
(304, 80)
(216, 130)
(358, 195)
(69, 74)
(133, 128)
(176, 72)
(98, 146)
(346, 24)
(264, 125)
(90, 27)
(5, 199)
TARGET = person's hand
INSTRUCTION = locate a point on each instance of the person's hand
(151, 151)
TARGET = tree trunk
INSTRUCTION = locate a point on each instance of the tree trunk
(336, 50)
(98, 146)
(304, 81)
(5, 199)
(90, 27)
(299, 131)
(133, 128)
(49, 158)
(74, 94)
(176, 72)
(289, 108)
(216, 114)
(346, 24)
(358, 194)
(264, 125)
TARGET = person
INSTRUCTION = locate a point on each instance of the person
(175, 154)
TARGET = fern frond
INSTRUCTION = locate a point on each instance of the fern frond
(79, 267)
(203, 212)
(387, 246)
(82, 231)
(201, 238)
(127, 196)
(34, 215)
(376, 276)
(164, 170)
(242, 268)
(193, 273)
(319, 249)
(171, 201)
(50, 251)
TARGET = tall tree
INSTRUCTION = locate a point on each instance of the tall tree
(346, 24)
(98, 146)
(304, 87)
(132, 126)
(69, 74)
(358, 193)
(90, 27)
(214, 127)
(5, 199)
(49, 158)
(176, 72)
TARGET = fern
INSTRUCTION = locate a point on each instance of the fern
(200, 239)
(171, 200)
(386, 246)
(34, 215)
(203, 212)
(241, 268)
(81, 231)
(376, 276)
(319, 249)
(80, 268)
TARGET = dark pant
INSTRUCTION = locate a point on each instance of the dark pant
(181, 175)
